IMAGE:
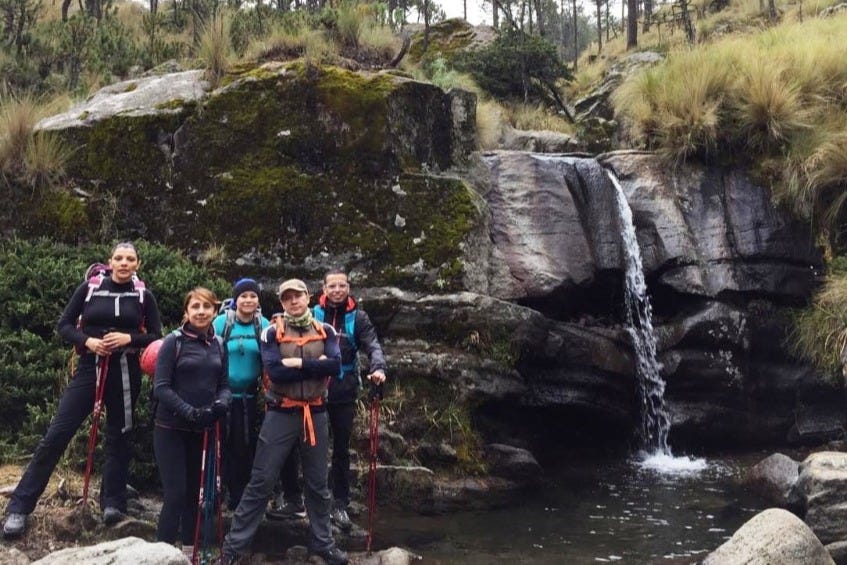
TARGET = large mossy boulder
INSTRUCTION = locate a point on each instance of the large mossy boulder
(286, 166)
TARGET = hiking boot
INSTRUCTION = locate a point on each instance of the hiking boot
(332, 556)
(15, 525)
(340, 518)
(112, 516)
(228, 558)
(287, 510)
(188, 551)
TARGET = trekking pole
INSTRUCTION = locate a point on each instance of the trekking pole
(375, 396)
(195, 556)
(101, 372)
(218, 488)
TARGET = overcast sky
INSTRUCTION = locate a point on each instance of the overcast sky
(476, 14)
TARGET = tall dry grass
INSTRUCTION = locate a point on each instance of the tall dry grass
(777, 98)
(819, 332)
(489, 124)
(35, 159)
(18, 116)
(215, 50)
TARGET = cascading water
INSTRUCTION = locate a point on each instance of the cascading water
(655, 422)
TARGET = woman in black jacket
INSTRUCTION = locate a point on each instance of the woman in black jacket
(110, 317)
(192, 393)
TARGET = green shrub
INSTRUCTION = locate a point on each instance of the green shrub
(36, 280)
(113, 48)
(515, 66)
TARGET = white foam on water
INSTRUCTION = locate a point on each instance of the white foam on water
(667, 464)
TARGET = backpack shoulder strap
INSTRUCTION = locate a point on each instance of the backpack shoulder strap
(257, 327)
(94, 283)
(229, 322)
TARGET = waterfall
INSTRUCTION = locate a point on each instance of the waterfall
(655, 422)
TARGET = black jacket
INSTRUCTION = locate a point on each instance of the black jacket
(193, 379)
(345, 388)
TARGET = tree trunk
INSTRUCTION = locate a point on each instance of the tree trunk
(426, 25)
(632, 24)
(599, 4)
(648, 13)
(495, 14)
(539, 17)
(575, 34)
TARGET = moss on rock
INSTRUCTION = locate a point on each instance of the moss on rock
(446, 39)
(296, 165)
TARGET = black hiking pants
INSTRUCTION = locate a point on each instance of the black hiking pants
(123, 384)
(239, 447)
(179, 457)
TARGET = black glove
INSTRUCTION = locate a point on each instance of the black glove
(204, 417)
(375, 392)
(219, 409)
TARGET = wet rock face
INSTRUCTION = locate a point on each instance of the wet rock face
(723, 265)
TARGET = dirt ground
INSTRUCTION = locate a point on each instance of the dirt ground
(60, 520)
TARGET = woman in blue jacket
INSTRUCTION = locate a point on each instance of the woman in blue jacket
(241, 327)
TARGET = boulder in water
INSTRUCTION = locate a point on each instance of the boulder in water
(774, 478)
(822, 488)
(772, 536)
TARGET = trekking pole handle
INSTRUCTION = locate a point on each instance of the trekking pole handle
(375, 392)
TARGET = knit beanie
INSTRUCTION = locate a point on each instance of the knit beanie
(242, 286)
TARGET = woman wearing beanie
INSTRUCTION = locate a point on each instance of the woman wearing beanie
(241, 328)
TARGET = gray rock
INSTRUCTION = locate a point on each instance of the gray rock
(540, 141)
(770, 537)
(125, 550)
(13, 556)
(152, 95)
(822, 487)
(709, 231)
(512, 463)
(774, 478)
(838, 551)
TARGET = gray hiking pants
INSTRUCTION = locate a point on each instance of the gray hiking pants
(280, 432)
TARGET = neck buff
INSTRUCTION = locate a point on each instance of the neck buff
(303, 321)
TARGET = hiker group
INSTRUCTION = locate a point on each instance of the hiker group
(214, 377)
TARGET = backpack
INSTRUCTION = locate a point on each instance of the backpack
(229, 322)
(151, 352)
(95, 274)
(150, 355)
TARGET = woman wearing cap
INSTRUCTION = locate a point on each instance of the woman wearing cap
(300, 355)
(241, 329)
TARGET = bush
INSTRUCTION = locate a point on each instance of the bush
(36, 280)
(820, 331)
(515, 66)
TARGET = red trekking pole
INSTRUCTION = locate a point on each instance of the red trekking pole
(101, 372)
(375, 396)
